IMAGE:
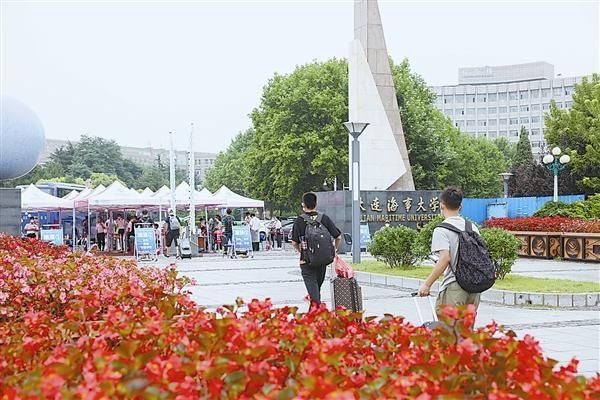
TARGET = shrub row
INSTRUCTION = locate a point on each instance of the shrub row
(585, 209)
(76, 326)
(545, 224)
(404, 247)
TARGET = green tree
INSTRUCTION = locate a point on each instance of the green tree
(229, 166)
(152, 177)
(507, 149)
(474, 166)
(577, 132)
(523, 154)
(299, 141)
(99, 178)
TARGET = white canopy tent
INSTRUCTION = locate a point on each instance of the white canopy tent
(32, 198)
(164, 190)
(182, 196)
(117, 195)
(233, 200)
(147, 192)
(71, 195)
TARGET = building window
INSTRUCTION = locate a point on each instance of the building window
(546, 106)
(514, 133)
(492, 97)
(524, 108)
(525, 120)
(493, 134)
(535, 120)
(535, 132)
(545, 92)
(492, 110)
(535, 107)
(568, 104)
(470, 98)
(470, 122)
(502, 110)
(482, 98)
(447, 99)
(481, 110)
(557, 91)
(523, 94)
(502, 96)
(460, 111)
(568, 90)
(514, 109)
(459, 124)
(482, 123)
(502, 133)
(470, 111)
(449, 112)
(513, 95)
(535, 93)
(503, 121)
(491, 122)
(514, 121)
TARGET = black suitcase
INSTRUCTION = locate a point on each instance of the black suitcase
(347, 293)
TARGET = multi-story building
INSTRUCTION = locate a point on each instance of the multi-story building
(493, 102)
(147, 156)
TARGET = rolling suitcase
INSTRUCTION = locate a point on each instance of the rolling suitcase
(428, 324)
(185, 248)
(346, 292)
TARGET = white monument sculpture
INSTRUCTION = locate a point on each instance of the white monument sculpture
(384, 163)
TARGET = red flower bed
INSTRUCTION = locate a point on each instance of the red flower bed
(545, 224)
(95, 327)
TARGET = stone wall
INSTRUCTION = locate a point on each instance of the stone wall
(10, 211)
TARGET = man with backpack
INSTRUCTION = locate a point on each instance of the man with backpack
(173, 224)
(228, 229)
(463, 258)
(313, 236)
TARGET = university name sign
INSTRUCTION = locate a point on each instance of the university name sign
(381, 207)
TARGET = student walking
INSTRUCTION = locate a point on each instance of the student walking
(228, 229)
(173, 224)
(316, 238)
(120, 233)
(445, 244)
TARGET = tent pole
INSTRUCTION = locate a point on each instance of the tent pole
(89, 238)
(73, 238)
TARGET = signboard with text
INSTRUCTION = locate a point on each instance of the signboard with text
(54, 236)
(365, 236)
(242, 241)
(145, 243)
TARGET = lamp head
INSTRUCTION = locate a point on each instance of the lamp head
(355, 128)
(548, 159)
(556, 151)
(564, 159)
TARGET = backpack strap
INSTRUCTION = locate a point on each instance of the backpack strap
(309, 220)
(450, 227)
(468, 226)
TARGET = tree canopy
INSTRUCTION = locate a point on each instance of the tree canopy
(577, 132)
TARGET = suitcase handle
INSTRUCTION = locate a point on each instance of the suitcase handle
(415, 295)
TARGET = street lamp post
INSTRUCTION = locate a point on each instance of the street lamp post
(355, 129)
(556, 162)
(505, 178)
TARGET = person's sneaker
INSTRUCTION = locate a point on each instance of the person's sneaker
(166, 255)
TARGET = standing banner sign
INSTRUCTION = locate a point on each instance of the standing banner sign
(365, 236)
(242, 241)
(54, 236)
(145, 244)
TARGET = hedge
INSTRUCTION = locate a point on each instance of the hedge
(92, 327)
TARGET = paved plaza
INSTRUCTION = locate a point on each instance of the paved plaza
(562, 333)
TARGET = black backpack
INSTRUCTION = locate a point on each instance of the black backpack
(475, 271)
(319, 243)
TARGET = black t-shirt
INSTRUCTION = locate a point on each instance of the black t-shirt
(228, 224)
(299, 229)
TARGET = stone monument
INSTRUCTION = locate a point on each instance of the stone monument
(372, 98)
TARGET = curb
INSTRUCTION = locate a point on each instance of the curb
(563, 300)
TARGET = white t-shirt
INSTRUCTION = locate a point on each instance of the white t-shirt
(254, 224)
(444, 239)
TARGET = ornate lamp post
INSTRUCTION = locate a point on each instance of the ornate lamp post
(556, 162)
(355, 129)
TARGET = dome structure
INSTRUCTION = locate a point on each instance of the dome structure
(22, 138)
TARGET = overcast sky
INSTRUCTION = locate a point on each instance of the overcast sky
(134, 71)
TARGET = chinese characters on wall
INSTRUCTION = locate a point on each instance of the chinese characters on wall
(405, 208)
